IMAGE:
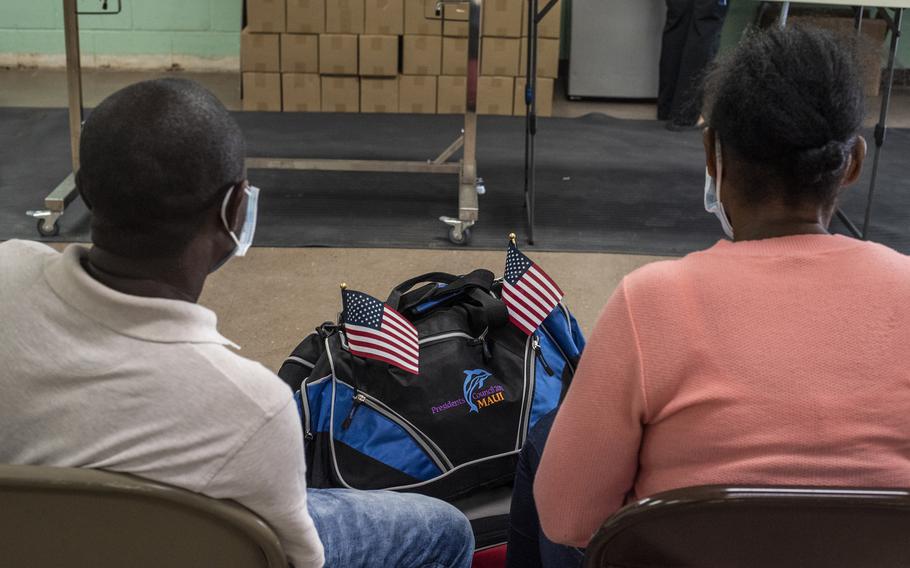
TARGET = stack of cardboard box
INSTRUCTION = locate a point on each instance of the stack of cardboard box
(390, 56)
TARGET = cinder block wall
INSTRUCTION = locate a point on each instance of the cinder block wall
(146, 34)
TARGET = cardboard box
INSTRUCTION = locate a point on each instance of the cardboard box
(262, 91)
(259, 52)
(301, 92)
(416, 21)
(544, 97)
(340, 94)
(300, 53)
(454, 56)
(265, 15)
(869, 48)
(417, 94)
(500, 56)
(495, 95)
(422, 55)
(452, 92)
(379, 95)
(550, 26)
(547, 58)
(306, 16)
(503, 18)
(378, 55)
(338, 54)
(384, 17)
(344, 16)
(455, 20)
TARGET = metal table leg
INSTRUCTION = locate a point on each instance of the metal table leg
(881, 128)
(534, 18)
(65, 192)
(469, 185)
(784, 13)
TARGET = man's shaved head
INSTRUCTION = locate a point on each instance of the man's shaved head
(154, 158)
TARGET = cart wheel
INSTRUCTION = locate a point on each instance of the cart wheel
(459, 239)
(46, 231)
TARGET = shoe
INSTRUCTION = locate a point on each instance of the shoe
(674, 126)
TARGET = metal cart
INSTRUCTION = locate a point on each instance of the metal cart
(469, 185)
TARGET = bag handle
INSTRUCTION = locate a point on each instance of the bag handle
(477, 279)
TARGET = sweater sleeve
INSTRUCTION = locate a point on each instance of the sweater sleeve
(267, 475)
(590, 459)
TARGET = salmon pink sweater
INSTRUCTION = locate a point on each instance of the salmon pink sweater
(779, 361)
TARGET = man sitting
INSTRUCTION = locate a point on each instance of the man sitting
(107, 362)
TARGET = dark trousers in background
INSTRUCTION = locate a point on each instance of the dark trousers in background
(528, 546)
(690, 42)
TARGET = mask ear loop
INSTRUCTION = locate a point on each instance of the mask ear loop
(722, 213)
(224, 220)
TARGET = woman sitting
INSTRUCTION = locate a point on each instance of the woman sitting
(781, 357)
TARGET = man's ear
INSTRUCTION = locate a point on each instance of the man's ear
(709, 138)
(857, 158)
(235, 209)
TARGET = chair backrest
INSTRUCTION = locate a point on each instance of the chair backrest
(62, 517)
(746, 527)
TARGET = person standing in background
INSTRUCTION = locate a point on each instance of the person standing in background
(690, 41)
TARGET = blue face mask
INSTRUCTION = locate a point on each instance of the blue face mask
(713, 203)
(245, 240)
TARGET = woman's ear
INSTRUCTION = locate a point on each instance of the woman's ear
(857, 157)
(709, 139)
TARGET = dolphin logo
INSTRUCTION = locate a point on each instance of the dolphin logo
(473, 381)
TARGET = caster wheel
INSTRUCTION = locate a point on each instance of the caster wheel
(46, 231)
(459, 239)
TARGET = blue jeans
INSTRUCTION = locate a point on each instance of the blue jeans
(528, 546)
(386, 529)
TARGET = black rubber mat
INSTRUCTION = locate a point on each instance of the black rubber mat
(604, 184)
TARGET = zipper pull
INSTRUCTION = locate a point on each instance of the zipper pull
(308, 436)
(358, 400)
(535, 345)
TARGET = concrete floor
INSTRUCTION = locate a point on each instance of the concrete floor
(268, 301)
(47, 88)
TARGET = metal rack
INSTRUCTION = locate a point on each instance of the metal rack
(469, 185)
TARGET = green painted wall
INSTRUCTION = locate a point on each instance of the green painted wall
(202, 28)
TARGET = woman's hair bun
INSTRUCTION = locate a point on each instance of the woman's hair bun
(817, 164)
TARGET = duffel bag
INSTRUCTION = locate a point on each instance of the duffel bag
(456, 426)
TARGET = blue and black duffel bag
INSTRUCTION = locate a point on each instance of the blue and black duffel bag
(460, 423)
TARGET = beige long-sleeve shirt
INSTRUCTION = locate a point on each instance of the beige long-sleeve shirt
(91, 377)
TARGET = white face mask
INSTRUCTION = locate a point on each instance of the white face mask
(245, 240)
(713, 203)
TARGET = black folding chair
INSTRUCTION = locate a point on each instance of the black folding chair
(758, 527)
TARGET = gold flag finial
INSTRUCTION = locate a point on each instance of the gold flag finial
(512, 238)
(344, 285)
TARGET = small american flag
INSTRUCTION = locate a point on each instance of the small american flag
(529, 294)
(376, 331)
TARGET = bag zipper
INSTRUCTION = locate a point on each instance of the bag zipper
(358, 400)
(535, 345)
(558, 348)
(305, 404)
(449, 335)
(530, 380)
(431, 449)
